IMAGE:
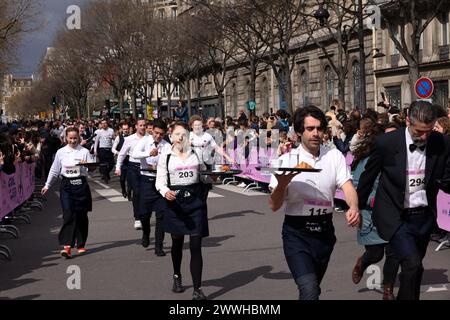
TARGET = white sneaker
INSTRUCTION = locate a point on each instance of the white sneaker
(242, 185)
(137, 225)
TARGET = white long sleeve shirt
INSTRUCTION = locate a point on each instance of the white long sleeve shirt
(181, 172)
(142, 151)
(65, 164)
(127, 150)
(104, 138)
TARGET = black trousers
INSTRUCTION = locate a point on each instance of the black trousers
(374, 254)
(409, 244)
(133, 180)
(76, 202)
(123, 178)
(150, 200)
(106, 158)
(74, 231)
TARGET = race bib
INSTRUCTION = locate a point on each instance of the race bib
(317, 207)
(416, 180)
(71, 171)
(185, 175)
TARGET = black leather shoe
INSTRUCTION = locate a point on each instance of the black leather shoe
(145, 241)
(159, 252)
(198, 295)
(177, 286)
(124, 194)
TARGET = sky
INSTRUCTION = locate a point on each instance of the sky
(34, 45)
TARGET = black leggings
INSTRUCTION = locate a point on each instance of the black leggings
(195, 244)
(374, 254)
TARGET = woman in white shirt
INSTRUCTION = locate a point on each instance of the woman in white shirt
(178, 181)
(75, 194)
(204, 144)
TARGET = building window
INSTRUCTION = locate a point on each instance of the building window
(440, 93)
(234, 100)
(394, 95)
(356, 85)
(282, 89)
(444, 24)
(305, 88)
(396, 36)
(329, 82)
(163, 90)
(265, 95)
(177, 91)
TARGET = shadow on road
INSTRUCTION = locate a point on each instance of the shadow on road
(235, 214)
(235, 280)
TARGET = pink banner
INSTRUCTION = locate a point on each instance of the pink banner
(16, 188)
(443, 210)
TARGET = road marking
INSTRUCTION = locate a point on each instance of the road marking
(108, 192)
(118, 199)
(101, 184)
(240, 191)
(434, 288)
(215, 195)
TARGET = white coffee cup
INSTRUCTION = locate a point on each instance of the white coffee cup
(217, 167)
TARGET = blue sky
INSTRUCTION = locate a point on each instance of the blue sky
(33, 46)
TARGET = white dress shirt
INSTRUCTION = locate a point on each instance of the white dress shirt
(127, 150)
(182, 172)
(65, 163)
(142, 151)
(104, 138)
(415, 195)
(312, 193)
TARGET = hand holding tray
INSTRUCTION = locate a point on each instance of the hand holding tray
(284, 169)
(220, 173)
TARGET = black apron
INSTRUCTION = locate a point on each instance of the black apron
(75, 194)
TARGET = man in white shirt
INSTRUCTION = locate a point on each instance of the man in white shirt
(307, 201)
(117, 146)
(133, 168)
(148, 150)
(102, 148)
(414, 164)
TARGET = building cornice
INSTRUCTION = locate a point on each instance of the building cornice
(435, 65)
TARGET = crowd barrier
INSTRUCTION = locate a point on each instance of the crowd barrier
(16, 188)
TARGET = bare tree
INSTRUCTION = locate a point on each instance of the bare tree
(17, 17)
(279, 25)
(113, 31)
(70, 71)
(337, 30)
(239, 23)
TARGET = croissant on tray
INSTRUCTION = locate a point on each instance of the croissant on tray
(303, 165)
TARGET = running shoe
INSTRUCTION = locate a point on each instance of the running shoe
(198, 295)
(81, 250)
(66, 252)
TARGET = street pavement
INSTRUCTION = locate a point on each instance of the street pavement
(243, 257)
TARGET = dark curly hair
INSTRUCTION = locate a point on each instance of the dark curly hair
(310, 111)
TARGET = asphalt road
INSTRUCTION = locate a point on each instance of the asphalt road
(243, 257)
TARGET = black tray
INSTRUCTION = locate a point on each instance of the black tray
(220, 173)
(268, 169)
(89, 164)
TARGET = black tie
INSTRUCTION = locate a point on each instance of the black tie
(413, 147)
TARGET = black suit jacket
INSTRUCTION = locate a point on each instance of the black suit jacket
(390, 159)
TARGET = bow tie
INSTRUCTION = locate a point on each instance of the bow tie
(413, 147)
